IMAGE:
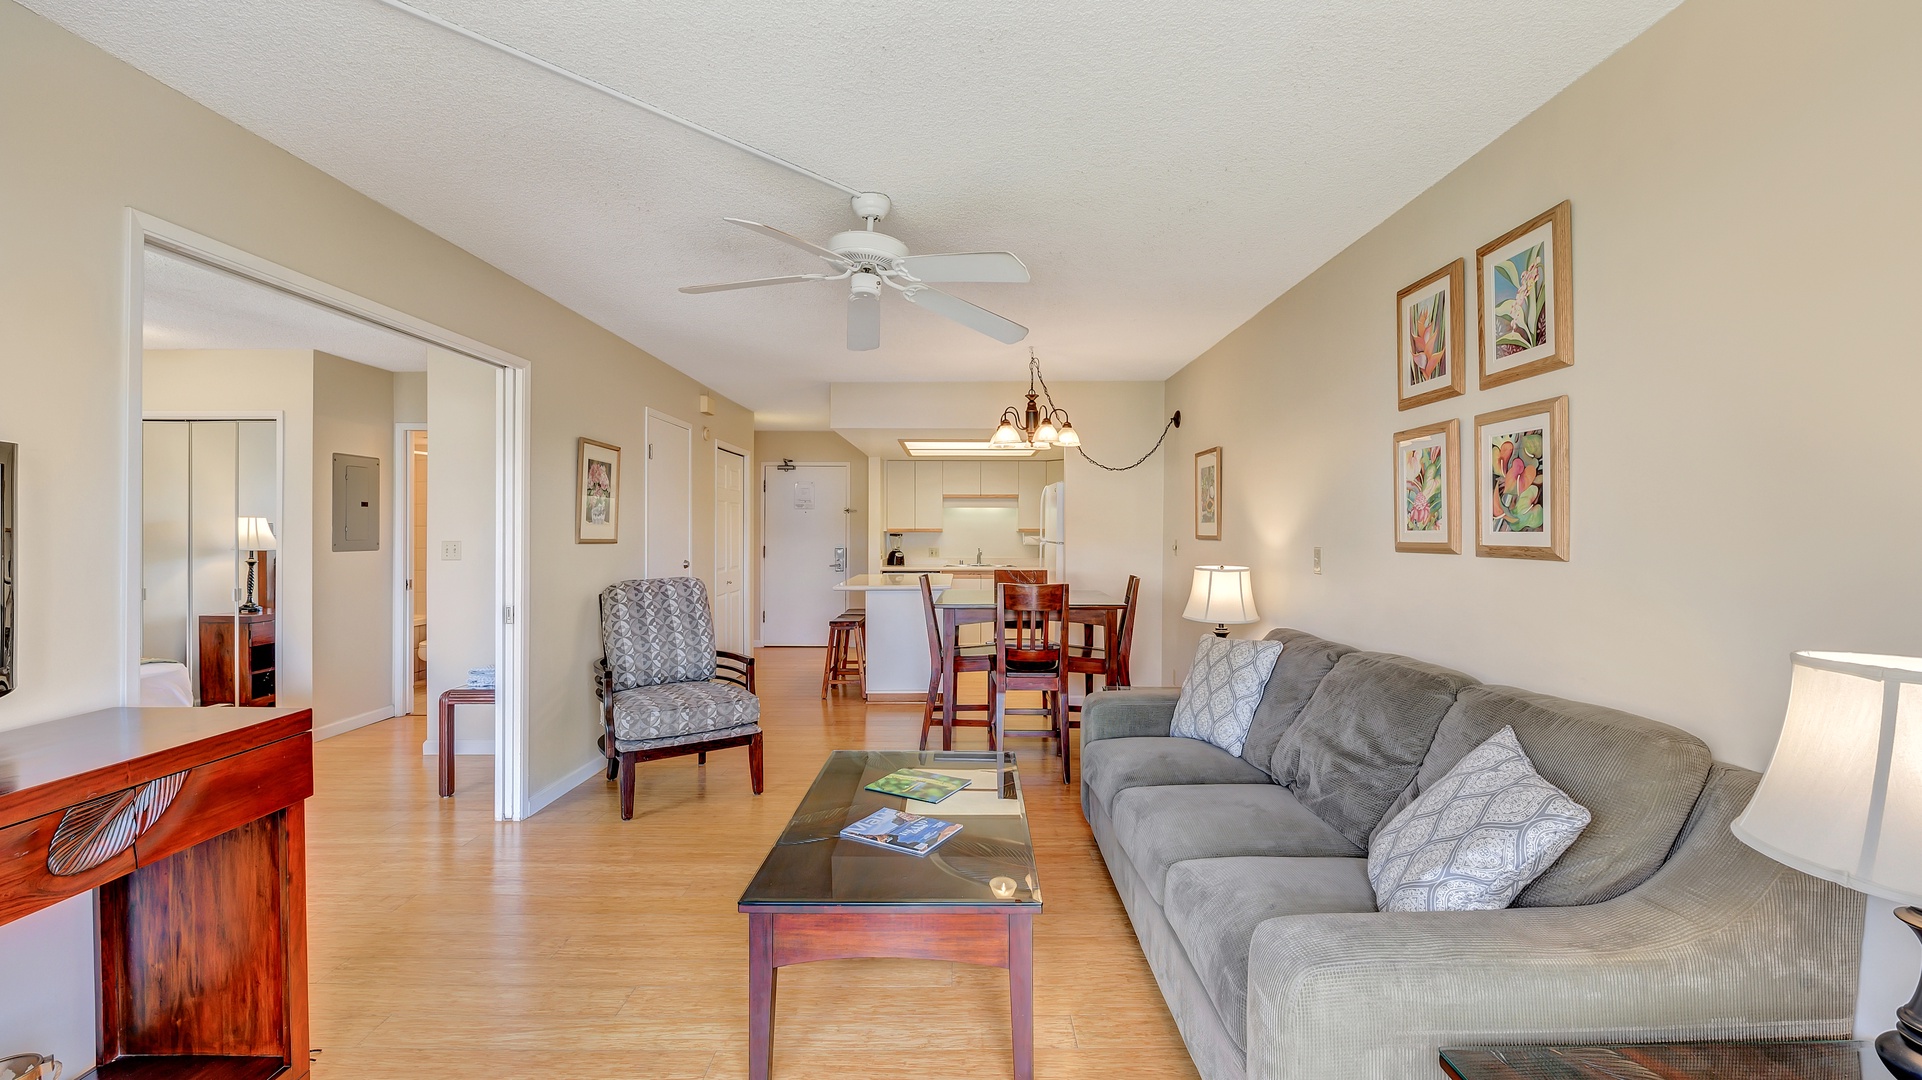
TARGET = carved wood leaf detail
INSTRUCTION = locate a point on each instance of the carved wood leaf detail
(99, 829)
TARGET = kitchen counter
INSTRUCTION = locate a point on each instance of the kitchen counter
(896, 633)
(885, 582)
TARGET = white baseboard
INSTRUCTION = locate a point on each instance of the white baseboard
(343, 726)
(431, 747)
(541, 799)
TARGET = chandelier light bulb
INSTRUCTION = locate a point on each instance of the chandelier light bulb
(1005, 435)
(1046, 434)
(1068, 436)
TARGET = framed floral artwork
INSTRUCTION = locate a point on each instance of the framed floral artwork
(597, 507)
(1521, 481)
(1427, 483)
(1429, 328)
(1208, 494)
(1527, 310)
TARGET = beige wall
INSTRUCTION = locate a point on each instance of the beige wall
(815, 447)
(461, 598)
(353, 590)
(1743, 404)
(87, 137)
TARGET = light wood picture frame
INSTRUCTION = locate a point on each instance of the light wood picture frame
(1521, 481)
(1525, 307)
(1208, 494)
(1428, 484)
(1431, 338)
(597, 501)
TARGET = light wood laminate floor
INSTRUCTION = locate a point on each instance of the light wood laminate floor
(576, 945)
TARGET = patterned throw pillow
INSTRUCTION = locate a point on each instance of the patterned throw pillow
(1219, 697)
(1477, 836)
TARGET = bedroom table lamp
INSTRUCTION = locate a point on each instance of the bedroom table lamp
(255, 535)
(1221, 595)
(1842, 797)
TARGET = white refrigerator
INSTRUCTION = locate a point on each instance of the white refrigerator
(1054, 531)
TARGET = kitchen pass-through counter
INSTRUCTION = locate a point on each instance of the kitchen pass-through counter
(897, 632)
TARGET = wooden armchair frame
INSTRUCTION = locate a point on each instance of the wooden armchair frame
(729, 667)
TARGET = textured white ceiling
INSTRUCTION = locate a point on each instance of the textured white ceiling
(1164, 169)
(190, 306)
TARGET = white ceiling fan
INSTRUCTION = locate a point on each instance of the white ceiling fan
(867, 260)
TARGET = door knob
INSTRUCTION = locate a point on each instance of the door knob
(683, 564)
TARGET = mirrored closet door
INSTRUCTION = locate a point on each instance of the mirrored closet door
(209, 533)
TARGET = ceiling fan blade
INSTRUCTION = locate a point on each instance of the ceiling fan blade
(967, 266)
(753, 284)
(789, 238)
(974, 318)
(864, 323)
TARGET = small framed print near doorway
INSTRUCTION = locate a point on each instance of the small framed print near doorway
(597, 518)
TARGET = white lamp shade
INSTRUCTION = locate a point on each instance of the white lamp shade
(256, 535)
(1842, 798)
(1222, 594)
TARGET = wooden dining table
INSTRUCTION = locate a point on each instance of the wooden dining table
(962, 607)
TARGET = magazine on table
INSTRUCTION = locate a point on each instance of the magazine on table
(901, 831)
(920, 785)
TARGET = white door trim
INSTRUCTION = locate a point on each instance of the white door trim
(511, 468)
(747, 537)
(404, 568)
(647, 482)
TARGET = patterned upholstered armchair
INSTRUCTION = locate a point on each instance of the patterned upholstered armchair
(664, 689)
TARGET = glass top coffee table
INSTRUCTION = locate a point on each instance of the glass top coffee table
(972, 900)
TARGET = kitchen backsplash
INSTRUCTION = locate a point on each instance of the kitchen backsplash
(989, 526)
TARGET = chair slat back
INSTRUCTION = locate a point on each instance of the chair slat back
(1123, 649)
(934, 623)
(1020, 577)
(1025, 618)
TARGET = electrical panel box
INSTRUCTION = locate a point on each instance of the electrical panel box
(356, 503)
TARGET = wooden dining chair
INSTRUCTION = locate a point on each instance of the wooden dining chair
(1108, 659)
(966, 658)
(1020, 577)
(1028, 656)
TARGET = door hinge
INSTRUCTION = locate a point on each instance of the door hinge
(507, 614)
(650, 451)
(763, 616)
(763, 551)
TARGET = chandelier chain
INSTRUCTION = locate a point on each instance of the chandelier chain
(1034, 366)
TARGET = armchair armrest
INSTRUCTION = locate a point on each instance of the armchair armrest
(735, 668)
(1721, 943)
(1128, 712)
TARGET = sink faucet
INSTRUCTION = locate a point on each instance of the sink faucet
(977, 557)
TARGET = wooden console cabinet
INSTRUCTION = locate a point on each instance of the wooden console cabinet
(237, 649)
(190, 825)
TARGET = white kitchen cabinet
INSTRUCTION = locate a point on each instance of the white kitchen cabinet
(898, 482)
(1032, 476)
(1001, 477)
(960, 478)
(928, 480)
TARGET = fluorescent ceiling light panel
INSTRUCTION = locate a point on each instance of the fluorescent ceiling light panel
(976, 448)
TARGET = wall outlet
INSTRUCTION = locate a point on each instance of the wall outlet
(450, 552)
(1318, 561)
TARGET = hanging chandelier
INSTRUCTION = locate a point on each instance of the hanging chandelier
(1033, 425)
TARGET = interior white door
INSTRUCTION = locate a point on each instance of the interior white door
(669, 544)
(804, 515)
(730, 539)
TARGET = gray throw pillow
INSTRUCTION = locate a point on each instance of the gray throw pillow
(1477, 837)
(1219, 696)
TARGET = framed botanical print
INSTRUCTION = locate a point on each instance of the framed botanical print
(1427, 487)
(1521, 481)
(1429, 328)
(1526, 278)
(1208, 494)
(597, 506)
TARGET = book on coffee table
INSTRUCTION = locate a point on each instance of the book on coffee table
(901, 831)
(919, 784)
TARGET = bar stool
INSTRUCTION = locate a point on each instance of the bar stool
(847, 650)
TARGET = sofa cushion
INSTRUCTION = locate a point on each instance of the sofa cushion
(1109, 766)
(1219, 696)
(1214, 906)
(1637, 778)
(1304, 660)
(1362, 737)
(1161, 826)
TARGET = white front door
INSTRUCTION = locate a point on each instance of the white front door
(669, 543)
(730, 538)
(804, 515)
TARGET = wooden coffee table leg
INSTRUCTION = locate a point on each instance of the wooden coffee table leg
(761, 976)
(1021, 992)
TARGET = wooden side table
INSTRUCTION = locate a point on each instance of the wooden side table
(1803, 1060)
(448, 699)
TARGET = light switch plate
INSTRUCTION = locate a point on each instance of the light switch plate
(1317, 560)
(450, 552)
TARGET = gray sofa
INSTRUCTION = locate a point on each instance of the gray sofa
(1245, 878)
